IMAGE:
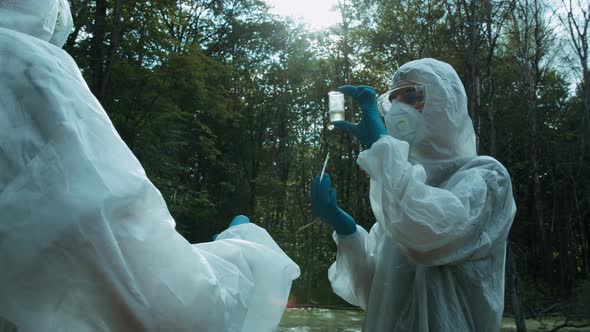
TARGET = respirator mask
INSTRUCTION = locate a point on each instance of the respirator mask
(401, 108)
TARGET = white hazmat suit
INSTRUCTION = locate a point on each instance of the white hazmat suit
(434, 260)
(86, 240)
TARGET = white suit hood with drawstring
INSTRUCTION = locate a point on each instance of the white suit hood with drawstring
(86, 240)
(434, 260)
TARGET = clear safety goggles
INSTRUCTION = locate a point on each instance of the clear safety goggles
(411, 94)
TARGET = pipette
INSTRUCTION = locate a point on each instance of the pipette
(324, 168)
(321, 176)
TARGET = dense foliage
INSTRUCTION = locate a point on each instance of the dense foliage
(225, 106)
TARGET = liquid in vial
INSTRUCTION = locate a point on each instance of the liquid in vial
(336, 115)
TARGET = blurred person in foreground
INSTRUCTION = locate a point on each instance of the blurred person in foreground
(86, 241)
(434, 260)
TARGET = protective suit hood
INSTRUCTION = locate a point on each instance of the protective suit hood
(445, 133)
(48, 20)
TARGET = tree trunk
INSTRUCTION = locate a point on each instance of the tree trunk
(115, 36)
(473, 81)
(514, 290)
(534, 156)
(311, 262)
(492, 119)
(96, 47)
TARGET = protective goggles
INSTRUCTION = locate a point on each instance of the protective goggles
(411, 94)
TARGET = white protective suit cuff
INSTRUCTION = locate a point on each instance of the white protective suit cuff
(270, 271)
(387, 157)
(351, 274)
(250, 232)
(345, 237)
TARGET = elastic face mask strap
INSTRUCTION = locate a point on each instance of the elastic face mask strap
(383, 103)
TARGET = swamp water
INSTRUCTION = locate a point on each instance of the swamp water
(330, 320)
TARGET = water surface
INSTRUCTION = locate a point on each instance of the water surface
(330, 320)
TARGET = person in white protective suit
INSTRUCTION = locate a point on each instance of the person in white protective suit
(86, 240)
(434, 260)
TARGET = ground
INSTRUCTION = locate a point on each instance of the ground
(328, 320)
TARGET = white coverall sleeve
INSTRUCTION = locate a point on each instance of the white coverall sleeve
(354, 253)
(265, 266)
(87, 242)
(433, 225)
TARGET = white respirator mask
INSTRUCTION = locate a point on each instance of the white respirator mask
(402, 121)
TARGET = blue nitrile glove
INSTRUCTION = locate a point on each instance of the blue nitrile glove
(324, 206)
(238, 220)
(371, 127)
